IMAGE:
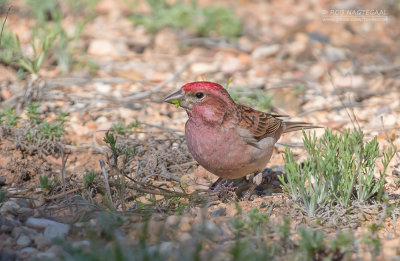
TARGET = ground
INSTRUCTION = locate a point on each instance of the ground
(319, 62)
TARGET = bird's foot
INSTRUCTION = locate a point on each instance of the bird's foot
(226, 188)
(260, 181)
(255, 180)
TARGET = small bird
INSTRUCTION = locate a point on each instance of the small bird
(228, 139)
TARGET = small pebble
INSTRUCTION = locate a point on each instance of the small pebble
(219, 212)
(27, 253)
(9, 207)
(23, 241)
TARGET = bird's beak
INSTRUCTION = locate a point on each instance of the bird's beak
(178, 98)
(178, 95)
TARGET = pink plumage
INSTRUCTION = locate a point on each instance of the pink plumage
(228, 139)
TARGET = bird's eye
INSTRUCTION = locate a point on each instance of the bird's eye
(199, 95)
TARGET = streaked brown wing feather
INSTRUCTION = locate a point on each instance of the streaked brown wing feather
(258, 123)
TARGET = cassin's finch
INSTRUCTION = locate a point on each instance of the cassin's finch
(228, 139)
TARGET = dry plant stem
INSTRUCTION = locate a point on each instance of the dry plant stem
(117, 172)
(68, 81)
(154, 190)
(339, 107)
(62, 194)
(389, 140)
(4, 23)
(64, 162)
(97, 149)
(352, 119)
(157, 88)
(105, 176)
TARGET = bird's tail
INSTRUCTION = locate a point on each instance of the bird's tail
(295, 126)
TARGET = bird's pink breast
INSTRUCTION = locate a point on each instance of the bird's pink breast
(222, 151)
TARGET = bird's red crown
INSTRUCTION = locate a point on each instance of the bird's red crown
(202, 86)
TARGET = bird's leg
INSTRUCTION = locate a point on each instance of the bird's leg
(216, 183)
(255, 180)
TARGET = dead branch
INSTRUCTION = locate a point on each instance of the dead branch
(146, 94)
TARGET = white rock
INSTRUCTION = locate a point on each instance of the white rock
(265, 51)
(42, 223)
(54, 231)
(334, 54)
(45, 255)
(231, 65)
(23, 241)
(202, 68)
(102, 47)
(102, 87)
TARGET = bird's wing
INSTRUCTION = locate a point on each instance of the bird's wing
(257, 124)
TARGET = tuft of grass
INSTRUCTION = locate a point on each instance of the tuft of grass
(251, 224)
(122, 129)
(33, 113)
(42, 41)
(253, 98)
(311, 244)
(339, 169)
(9, 47)
(47, 184)
(89, 179)
(202, 21)
(48, 37)
(9, 116)
(53, 130)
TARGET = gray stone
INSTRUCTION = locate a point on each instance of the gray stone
(172, 220)
(166, 248)
(80, 244)
(25, 212)
(41, 242)
(45, 255)
(218, 212)
(54, 231)
(207, 228)
(27, 253)
(9, 207)
(42, 223)
(23, 241)
(16, 232)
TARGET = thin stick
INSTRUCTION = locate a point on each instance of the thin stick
(64, 162)
(103, 170)
(4, 23)
(389, 140)
(62, 194)
(157, 88)
(353, 120)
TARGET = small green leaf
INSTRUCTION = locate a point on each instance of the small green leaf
(228, 83)
(177, 103)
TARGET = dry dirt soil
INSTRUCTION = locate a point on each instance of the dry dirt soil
(337, 74)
